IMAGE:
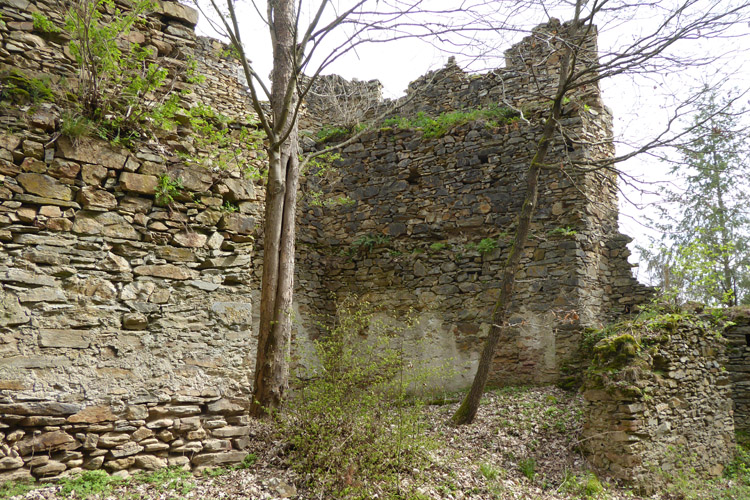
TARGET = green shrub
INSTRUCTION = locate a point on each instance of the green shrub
(351, 428)
(487, 245)
(440, 125)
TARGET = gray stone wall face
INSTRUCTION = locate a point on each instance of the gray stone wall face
(670, 407)
(126, 327)
(433, 198)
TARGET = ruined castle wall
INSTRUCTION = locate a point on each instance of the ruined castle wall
(421, 206)
(126, 325)
(668, 409)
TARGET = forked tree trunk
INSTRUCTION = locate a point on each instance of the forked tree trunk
(272, 360)
(468, 409)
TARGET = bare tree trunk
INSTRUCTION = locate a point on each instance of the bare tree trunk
(468, 409)
(274, 335)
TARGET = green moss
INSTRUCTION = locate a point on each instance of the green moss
(19, 88)
(616, 351)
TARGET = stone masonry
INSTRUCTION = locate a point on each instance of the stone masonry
(659, 403)
(126, 329)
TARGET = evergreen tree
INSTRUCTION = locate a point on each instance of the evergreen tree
(705, 247)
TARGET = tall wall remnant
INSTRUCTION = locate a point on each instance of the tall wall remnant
(436, 199)
(127, 327)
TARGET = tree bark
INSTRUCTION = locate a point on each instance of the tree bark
(277, 287)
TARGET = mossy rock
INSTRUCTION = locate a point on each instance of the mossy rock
(616, 351)
(19, 88)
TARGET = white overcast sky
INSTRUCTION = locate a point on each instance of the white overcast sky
(641, 105)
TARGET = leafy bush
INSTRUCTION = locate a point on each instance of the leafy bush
(352, 429)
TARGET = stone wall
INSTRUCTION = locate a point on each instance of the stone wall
(126, 325)
(738, 365)
(660, 402)
(420, 206)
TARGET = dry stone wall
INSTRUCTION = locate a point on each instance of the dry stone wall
(126, 325)
(411, 237)
(659, 403)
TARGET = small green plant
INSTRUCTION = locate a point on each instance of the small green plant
(367, 242)
(586, 486)
(174, 479)
(440, 125)
(527, 466)
(437, 246)
(489, 471)
(486, 245)
(167, 189)
(41, 23)
(247, 462)
(10, 489)
(95, 482)
(331, 133)
(230, 207)
(75, 126)
(563, 231)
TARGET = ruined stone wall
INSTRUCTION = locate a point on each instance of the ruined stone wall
(738, 364)
(659, 403)
(420, 206)
(126, 325)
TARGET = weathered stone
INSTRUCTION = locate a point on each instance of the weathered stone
(239, 190)
(75, 339)
(48, 441)
(213, 459)
(33, 149)
(10, 463)
(190, 239)
(51, 468)
(15, 475)
(142, 433)
(225, 407)
(108, 224)
(114, 263)
(138, 183)
(180, 12)
(119, 464)
(126, 450)
(113, 439)
(93, 463)
(238, 223)
(167, 271)
(45, 186)
(94, 151)
(93, 198)
(93, 415)
(159, 424)
(11, 311)
(50, 211)
(224, 262)
(134, 321)
(134, 204)
(150, 462)
(232, 313)
(64, 169)
(176, 254)
(228, 432)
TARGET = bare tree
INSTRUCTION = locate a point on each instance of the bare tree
(298, 51)
(653, 51)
